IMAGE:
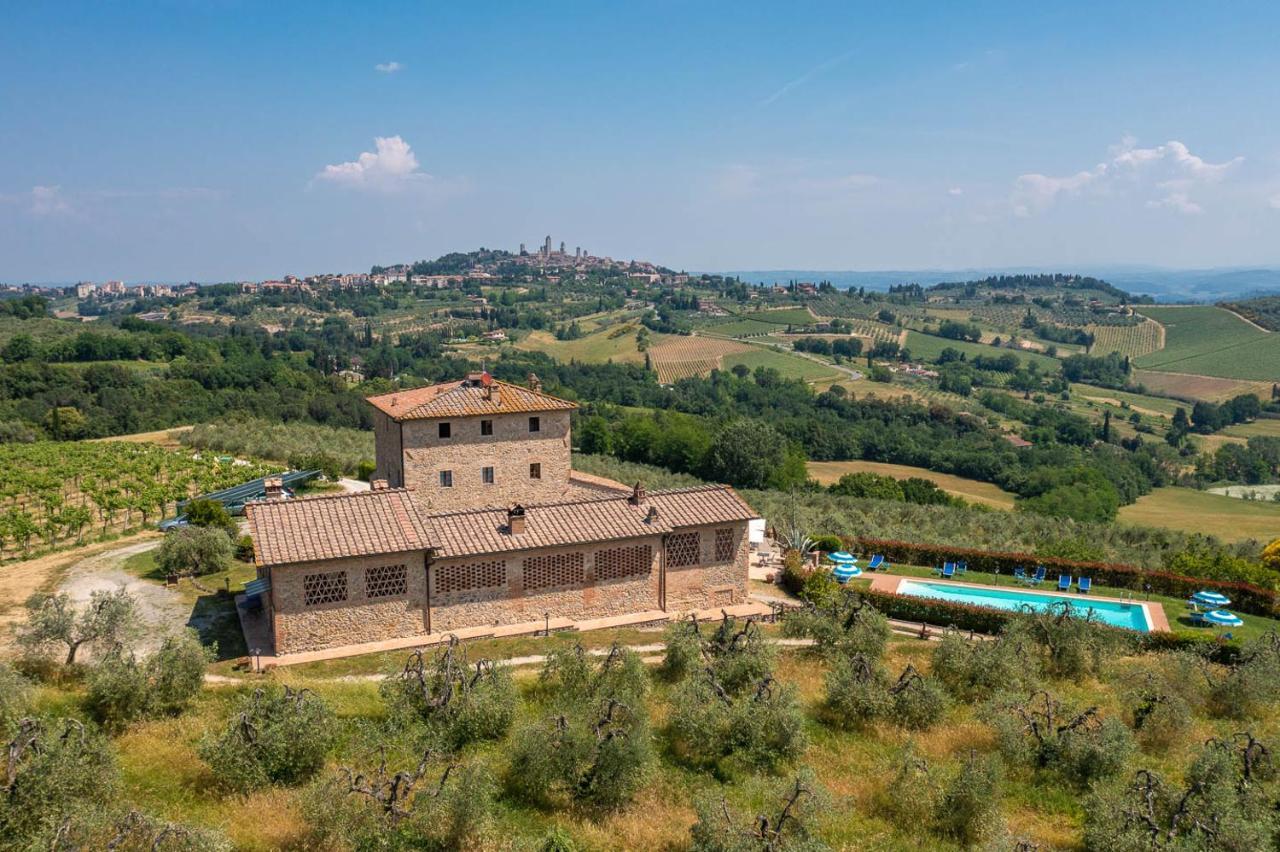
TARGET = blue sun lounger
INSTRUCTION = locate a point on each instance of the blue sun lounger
(1019, 573)
(876, 561)
(1064, 582)
(946, 566)
(949, 571)
(1038, 577)
(1084, 585)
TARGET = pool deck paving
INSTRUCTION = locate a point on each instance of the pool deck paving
(1155, 612)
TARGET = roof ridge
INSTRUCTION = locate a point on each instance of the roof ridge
(314, 498)
(606, 498)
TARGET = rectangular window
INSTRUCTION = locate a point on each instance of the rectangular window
(446, 430)
(683, 550)
(486, 427)
(535, 470)
(329, 587)
(486, 475)
(535, 424)
(446, 479)
(386, 581)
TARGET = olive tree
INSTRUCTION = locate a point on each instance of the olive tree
(108, 620)
(460, 701)
(195, 551)
(278, 736)
(761, 726)
(976, 668)
(54, 771)
(859, 692)
(123, 689)
(1251, 684)
(786, 827)
(736, 652)
(15, 698)
(968, 810)
(573, 677)
(1042, 732)
(847, 624)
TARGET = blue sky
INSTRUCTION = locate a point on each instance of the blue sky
(228, 140)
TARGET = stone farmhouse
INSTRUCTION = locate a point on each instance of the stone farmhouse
(477, 522)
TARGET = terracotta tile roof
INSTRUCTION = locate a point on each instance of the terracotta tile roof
(597, 483)
(389, 521)
(335, 526)
(478, 531)
(465, 399)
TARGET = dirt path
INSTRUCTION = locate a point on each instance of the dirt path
(19, 580)
(163, 610)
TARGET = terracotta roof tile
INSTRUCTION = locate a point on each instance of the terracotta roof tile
(335, 526)
(389, 521)
(463, 399)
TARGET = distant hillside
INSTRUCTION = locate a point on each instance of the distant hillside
(1264, 310)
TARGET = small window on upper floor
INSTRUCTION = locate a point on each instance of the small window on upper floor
(486, 475)
(486, 427)
(446, 430)
(446, 479)
(535, 424)
(535, 470)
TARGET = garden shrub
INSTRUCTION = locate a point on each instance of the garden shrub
(848, 624)
(57, 770)
(597, 755)
(762, 727)
(122, 689)
(786, 827)
(195, 551)
(1227, 801)
(460, 702)
(279, 736)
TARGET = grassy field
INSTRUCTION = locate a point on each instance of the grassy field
(1155, 406)
(790, 366)
(1269, 428)
(1187, 509)
(594, 348)
(1190, 386)
(970, 489)
(928, 347)
(1211, 341)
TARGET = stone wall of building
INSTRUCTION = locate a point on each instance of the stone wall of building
(510, 451)
(716, 581)
(386, 443)
(329, 620)
(610, 584)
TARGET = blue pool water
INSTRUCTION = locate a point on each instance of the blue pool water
(1115, 613)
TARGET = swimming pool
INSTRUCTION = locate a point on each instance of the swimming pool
(1132, 616)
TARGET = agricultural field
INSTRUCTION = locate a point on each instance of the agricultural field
(790, 365)
(680, 357)
(735, 327)
(928, 347)
(1212, 341)
(595, 348)
(1153, 406)
(57, 493)
(1185, 509)
(972, 490)
(1268, 427)
(1134, 341)
(1188, 386)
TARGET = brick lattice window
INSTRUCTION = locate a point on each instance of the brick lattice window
(329, 587)
(471, 577)
(386, 581)
(683, 550)
(617, 563)
(725, 550)
(557, 569)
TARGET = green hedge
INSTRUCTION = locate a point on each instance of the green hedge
(1244, 597)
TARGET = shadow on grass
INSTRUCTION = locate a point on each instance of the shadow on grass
(214, 617)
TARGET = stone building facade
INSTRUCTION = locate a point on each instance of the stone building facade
(395, 563)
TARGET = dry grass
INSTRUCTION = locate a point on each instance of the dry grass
(1229, 518)
(1189, 386)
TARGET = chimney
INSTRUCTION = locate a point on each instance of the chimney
(637, 495)
(535, 383)
(274, 487)
(515, 520)
(493, 392)
(652, 515)
(378, 484)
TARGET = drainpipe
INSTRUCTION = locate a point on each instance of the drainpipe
(662, 573)
(426, 578)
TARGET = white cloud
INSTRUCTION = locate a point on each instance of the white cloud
(392, 166)
(388, 67)
(955, 190)
(40, 201)
(1169, 171)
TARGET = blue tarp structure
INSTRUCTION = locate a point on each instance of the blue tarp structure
(235, 497)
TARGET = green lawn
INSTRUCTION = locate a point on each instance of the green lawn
(1269, 428)
(1211, 341)
(790, 366)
